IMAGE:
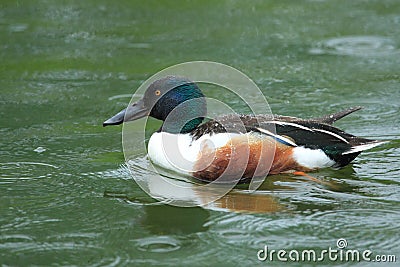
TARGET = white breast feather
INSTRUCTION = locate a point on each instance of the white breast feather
(178, 152)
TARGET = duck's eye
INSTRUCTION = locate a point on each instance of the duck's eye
(157, 92)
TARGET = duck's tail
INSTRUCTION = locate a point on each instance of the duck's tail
(362, 147)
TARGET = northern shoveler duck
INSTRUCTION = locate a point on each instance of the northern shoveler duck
(236, 146)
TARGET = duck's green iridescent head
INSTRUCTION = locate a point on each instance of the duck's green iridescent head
(175, 100)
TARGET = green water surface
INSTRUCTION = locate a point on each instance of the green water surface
(66, 197)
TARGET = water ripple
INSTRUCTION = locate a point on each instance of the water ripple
(375, 227)
(158, 244)
(96, 256)
(16, 171)
(127, 96)
(356, 46)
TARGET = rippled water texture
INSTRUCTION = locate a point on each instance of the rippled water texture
(357, 46)
(66, 195)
